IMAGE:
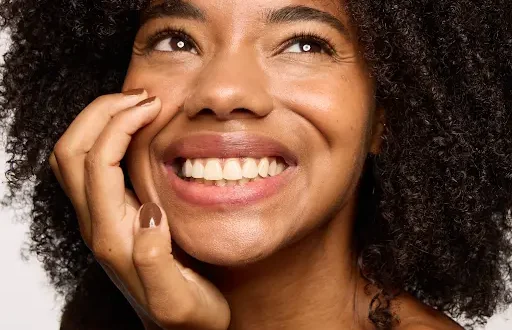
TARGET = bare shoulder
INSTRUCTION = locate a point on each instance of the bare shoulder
(415, 315)
(431, 327)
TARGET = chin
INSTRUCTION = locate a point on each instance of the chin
(228, 243)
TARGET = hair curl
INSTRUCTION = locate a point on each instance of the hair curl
(443, 181)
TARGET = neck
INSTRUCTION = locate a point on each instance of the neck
(312, 284)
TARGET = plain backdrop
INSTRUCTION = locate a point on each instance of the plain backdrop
(27, 302)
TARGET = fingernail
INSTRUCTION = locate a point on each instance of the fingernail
(150, 215)
(131, 92)
(146, 102)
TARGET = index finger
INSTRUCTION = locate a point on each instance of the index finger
(71, 149)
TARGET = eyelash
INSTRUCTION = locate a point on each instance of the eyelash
(323, 41)
(167, 32)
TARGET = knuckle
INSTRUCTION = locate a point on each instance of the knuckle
(102, 99)
(91, 160)
(147, 257)
(178, 314)
(119, 118)
(62, 150)
(184, 312)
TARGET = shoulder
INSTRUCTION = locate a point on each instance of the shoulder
(430, 327)
(415, 315)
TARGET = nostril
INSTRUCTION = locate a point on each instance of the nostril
(206, 112)
(241, 111)
(234, 113)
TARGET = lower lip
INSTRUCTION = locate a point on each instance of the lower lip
(252, 192)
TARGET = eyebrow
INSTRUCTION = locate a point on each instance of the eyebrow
(175, 8)
(290, 14)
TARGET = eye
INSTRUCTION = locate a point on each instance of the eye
(304, 46)
(307, 44)
(176, 43)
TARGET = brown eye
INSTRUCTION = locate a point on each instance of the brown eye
(306, 46)
(176, 44)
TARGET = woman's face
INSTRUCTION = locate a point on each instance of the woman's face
(250, 89)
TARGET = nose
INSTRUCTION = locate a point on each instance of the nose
(230, 85)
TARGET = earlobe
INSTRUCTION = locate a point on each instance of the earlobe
(378, 131)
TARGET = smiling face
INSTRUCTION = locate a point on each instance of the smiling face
(268, 115)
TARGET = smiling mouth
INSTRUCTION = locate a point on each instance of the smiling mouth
(235, 168)
(222, 172)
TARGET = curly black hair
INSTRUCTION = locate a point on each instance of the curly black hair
(442, 183)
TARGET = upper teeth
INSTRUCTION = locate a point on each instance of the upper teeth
(232, 168)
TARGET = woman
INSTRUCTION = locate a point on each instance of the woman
(315, 164)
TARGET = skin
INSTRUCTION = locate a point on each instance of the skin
(289, 257)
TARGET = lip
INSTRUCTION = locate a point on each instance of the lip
(202, 195)
(228, 145)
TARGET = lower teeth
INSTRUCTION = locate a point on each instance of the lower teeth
(223, 183)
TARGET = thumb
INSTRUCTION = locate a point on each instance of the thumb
(167, 293)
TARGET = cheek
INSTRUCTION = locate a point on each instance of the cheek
(335, 114)
(161, 81)
(338, 103)
(165, 81)
(336, 109)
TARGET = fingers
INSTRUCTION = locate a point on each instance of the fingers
(84, 228)
(67, 159)
(104, 179)
(111, 206)
(167, 294)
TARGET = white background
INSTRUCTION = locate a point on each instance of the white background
(27, 302)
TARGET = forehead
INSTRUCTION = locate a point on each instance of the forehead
(254, 8)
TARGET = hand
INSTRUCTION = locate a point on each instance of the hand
(138, 260)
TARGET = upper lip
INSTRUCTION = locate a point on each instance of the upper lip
(227, 145)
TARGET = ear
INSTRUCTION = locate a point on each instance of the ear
(378, 130)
